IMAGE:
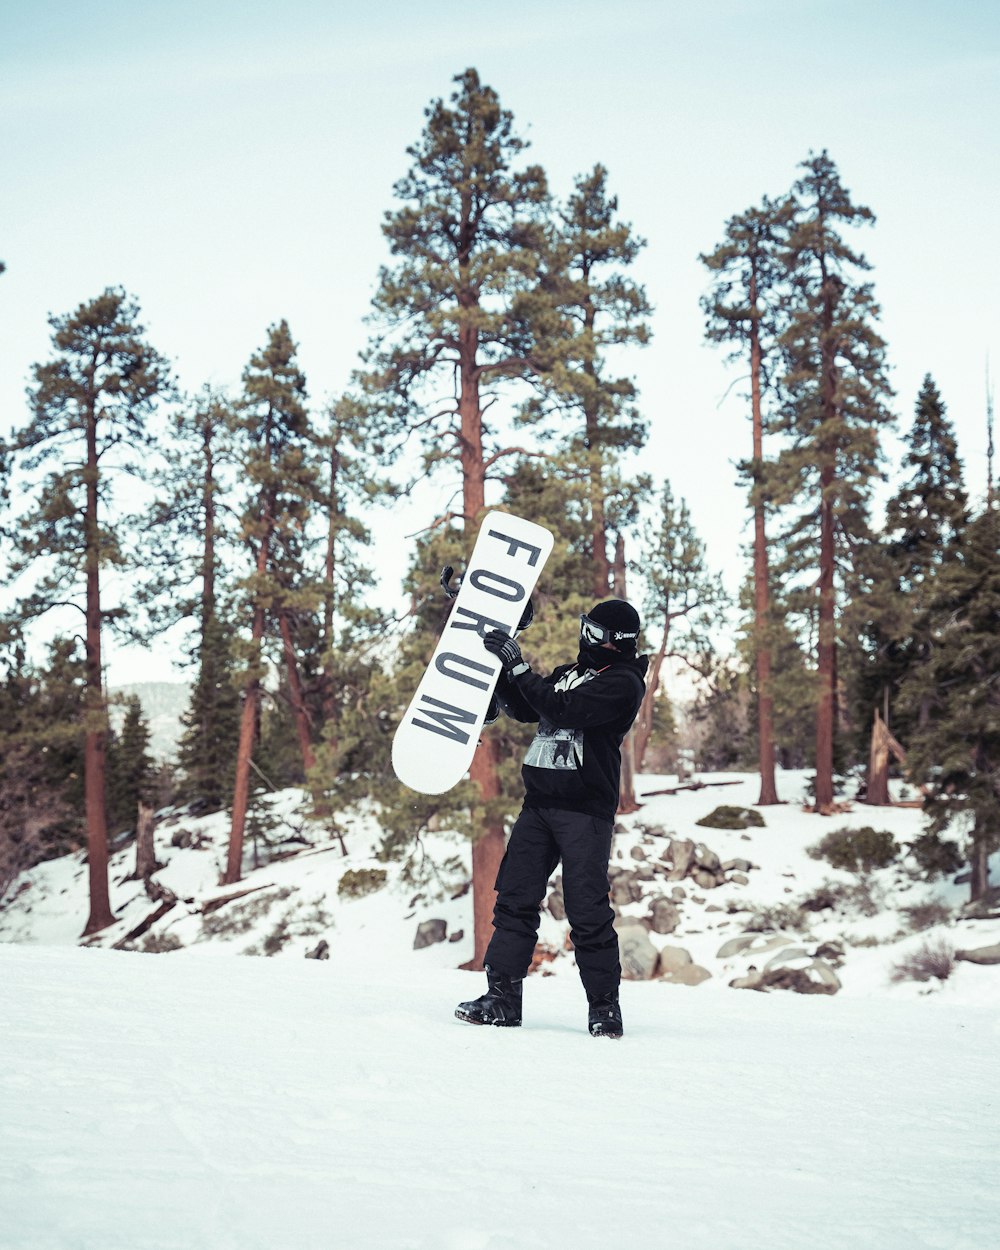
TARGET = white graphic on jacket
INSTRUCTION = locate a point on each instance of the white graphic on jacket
(559, 748)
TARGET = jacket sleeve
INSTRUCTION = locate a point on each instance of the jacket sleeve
(608, 697)
(513, 702)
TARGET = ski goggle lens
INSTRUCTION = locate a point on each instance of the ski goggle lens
(595, 634)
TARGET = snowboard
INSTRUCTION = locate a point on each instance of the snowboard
(437, 737)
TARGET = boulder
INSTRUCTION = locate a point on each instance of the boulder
(637, 852)
(832, 952)
(739, 878)
(556, 903)
(636, 952)
(681, 856)
(786, 957)
(625, 888)
(981, 955)
(456, 936)
(736, 945)
(707, 859)
(704, 879)
(737, 865)
(321, 951)
(986, 907)
(815, 978)
(794, 959)
(751, 944)
(690, 974)
(673, 958)
(429, 932)
(678, 893)
(664, 917)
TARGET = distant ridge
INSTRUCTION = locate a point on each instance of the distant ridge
(163, 703)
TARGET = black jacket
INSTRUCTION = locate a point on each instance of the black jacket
(583, 714)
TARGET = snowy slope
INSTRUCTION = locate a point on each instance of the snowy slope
(219, 1104)
(295, 905)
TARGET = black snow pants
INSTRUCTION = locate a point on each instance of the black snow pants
(539, 839)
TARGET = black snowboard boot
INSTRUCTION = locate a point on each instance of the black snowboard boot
(605, 1016)
(501, 1004)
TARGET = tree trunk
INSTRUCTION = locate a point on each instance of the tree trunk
(145, 850)
(877, 791)
(762, 635)
(487, 851)
(598, 520)
(979, 881)
(643, 728)
(826, 634)
(96, 713)
(248, 734)
(329, 588)
(627, 801)
(208, 510)
(299, 710)
(488, 848)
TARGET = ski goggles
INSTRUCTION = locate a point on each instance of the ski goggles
(595, 635)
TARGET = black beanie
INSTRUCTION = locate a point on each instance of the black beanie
(618, 615)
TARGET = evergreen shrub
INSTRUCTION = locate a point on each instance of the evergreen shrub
(726, 817)
(357, 882)
(857, 850)
(936, 856)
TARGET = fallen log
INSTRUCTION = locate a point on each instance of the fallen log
(147, 924)
(695, 785)
(214, 904)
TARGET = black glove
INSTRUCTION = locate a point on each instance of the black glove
(507, 652)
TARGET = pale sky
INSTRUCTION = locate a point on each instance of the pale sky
(229, 164)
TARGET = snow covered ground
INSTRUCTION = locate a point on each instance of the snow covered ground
(208, 1101)
(294, 903)
(219, 1104)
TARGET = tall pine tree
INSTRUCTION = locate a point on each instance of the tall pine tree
(835, 391)
(91, 405)
(462, 309)
(273, 434)
(953, 696)
(682, 600)
(742, 310)
(603, 310)
(925, 518)
(194, 543)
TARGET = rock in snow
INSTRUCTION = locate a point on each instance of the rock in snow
(429, 932)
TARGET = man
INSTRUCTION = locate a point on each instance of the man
(571, 774)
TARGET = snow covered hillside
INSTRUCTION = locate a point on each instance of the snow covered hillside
(761, 905)
(204, 1102)
(220, 1104)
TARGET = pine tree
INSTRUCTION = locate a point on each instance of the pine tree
(603, 310)
(925, 520)
(274, 447)
(465, 305)
(41, 755)
(130, 767)
(953, 697)
(91, 405)
(188, 531)
(836, 391)
(682, 600)
(743, 309)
